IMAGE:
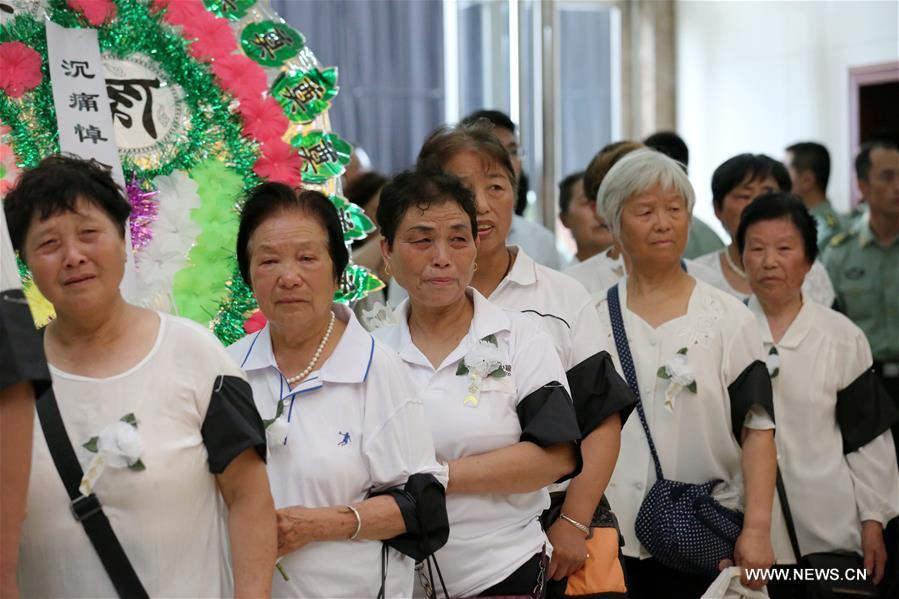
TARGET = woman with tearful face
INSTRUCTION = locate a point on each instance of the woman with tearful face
(833, 417)
(494, 390)
(153, 396)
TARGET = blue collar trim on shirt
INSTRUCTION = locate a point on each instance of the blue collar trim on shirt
(250, 351)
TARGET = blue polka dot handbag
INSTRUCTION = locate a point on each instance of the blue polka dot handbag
(680, 524)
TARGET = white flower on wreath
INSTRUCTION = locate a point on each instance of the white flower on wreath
(772, 361)
(679, 374)
(483, 360)
(381, 315)
(119, 445)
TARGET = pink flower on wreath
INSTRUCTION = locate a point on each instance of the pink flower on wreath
(263, 119)
(97, 12)
(280, 163)
(182, 12)
(239, 75)
(214, 38)
(21, 70)
(254, 323)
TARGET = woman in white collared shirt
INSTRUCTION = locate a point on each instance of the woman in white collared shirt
(682, 331)
(493, 387)
(833, 417)
(735, 184)
(351, 459)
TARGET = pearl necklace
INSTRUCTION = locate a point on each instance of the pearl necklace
(318, 352)
(734, 267)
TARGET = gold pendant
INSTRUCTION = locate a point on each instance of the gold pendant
(470, 401)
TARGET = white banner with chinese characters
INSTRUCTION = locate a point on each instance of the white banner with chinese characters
(83, 113)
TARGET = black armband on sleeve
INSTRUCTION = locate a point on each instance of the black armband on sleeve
(598, 391)
(422, 502)
(232, 423)
(864, 411)
(753, 386)
(21, 346)
(547, 418)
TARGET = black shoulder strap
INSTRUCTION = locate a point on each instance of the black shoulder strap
(86, 510)
(788, 516)
(613, 303)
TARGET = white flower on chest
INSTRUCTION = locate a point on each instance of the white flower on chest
(484, 361)
(679, 374)
(119, 445)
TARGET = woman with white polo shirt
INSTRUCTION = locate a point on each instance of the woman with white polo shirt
(704, 394)
(493, 388)
(833, 416)
(351, 458)
(508, 277)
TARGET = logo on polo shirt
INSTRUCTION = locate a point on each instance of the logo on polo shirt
(345, 439)
(854, 273)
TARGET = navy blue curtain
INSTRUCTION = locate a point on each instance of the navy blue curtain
(389, 54)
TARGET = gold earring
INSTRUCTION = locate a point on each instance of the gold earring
(387, 269)
(475, 267)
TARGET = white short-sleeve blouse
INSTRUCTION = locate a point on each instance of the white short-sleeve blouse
(695, 439)
(170, 518)
(355, 427)
(830, 493)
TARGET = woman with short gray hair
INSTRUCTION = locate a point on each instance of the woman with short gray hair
(695, 360)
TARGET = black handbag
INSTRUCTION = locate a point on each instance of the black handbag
(836, 563)
(87, 510)
(680, 524)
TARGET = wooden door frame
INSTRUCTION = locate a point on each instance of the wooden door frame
(886, 72)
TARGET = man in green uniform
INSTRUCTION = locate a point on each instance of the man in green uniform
(703, 240)
(864, 263)
(864, 268)
(809, 166)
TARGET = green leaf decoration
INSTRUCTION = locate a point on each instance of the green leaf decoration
(306, 94)
(271, 44)
(137, 466)
(91, 445)
(461, 369)
(356, 225)
(692, 387)
(773, 351)
(775, 373)
(130, 419)
(663, 373)
(490, 339)
(232, 10)
(682, 351)
(325, 155)
(499, 373)
(355, 283)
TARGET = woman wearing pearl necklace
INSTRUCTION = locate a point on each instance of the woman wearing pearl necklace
(344, 429)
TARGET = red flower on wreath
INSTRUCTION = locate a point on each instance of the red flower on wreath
(280, 163)
(21, 70)
(263, 120)
(214, 38)
(97, 12)
(242, 77)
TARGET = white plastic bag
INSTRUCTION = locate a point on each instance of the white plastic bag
(728, 586)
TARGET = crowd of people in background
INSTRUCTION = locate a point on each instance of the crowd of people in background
(498, 421)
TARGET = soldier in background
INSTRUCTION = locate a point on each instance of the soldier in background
(808, 163)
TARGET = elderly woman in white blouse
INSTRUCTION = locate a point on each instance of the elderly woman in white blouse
(352, 462)
(494, 390)
(833, 417)
(697, 367)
